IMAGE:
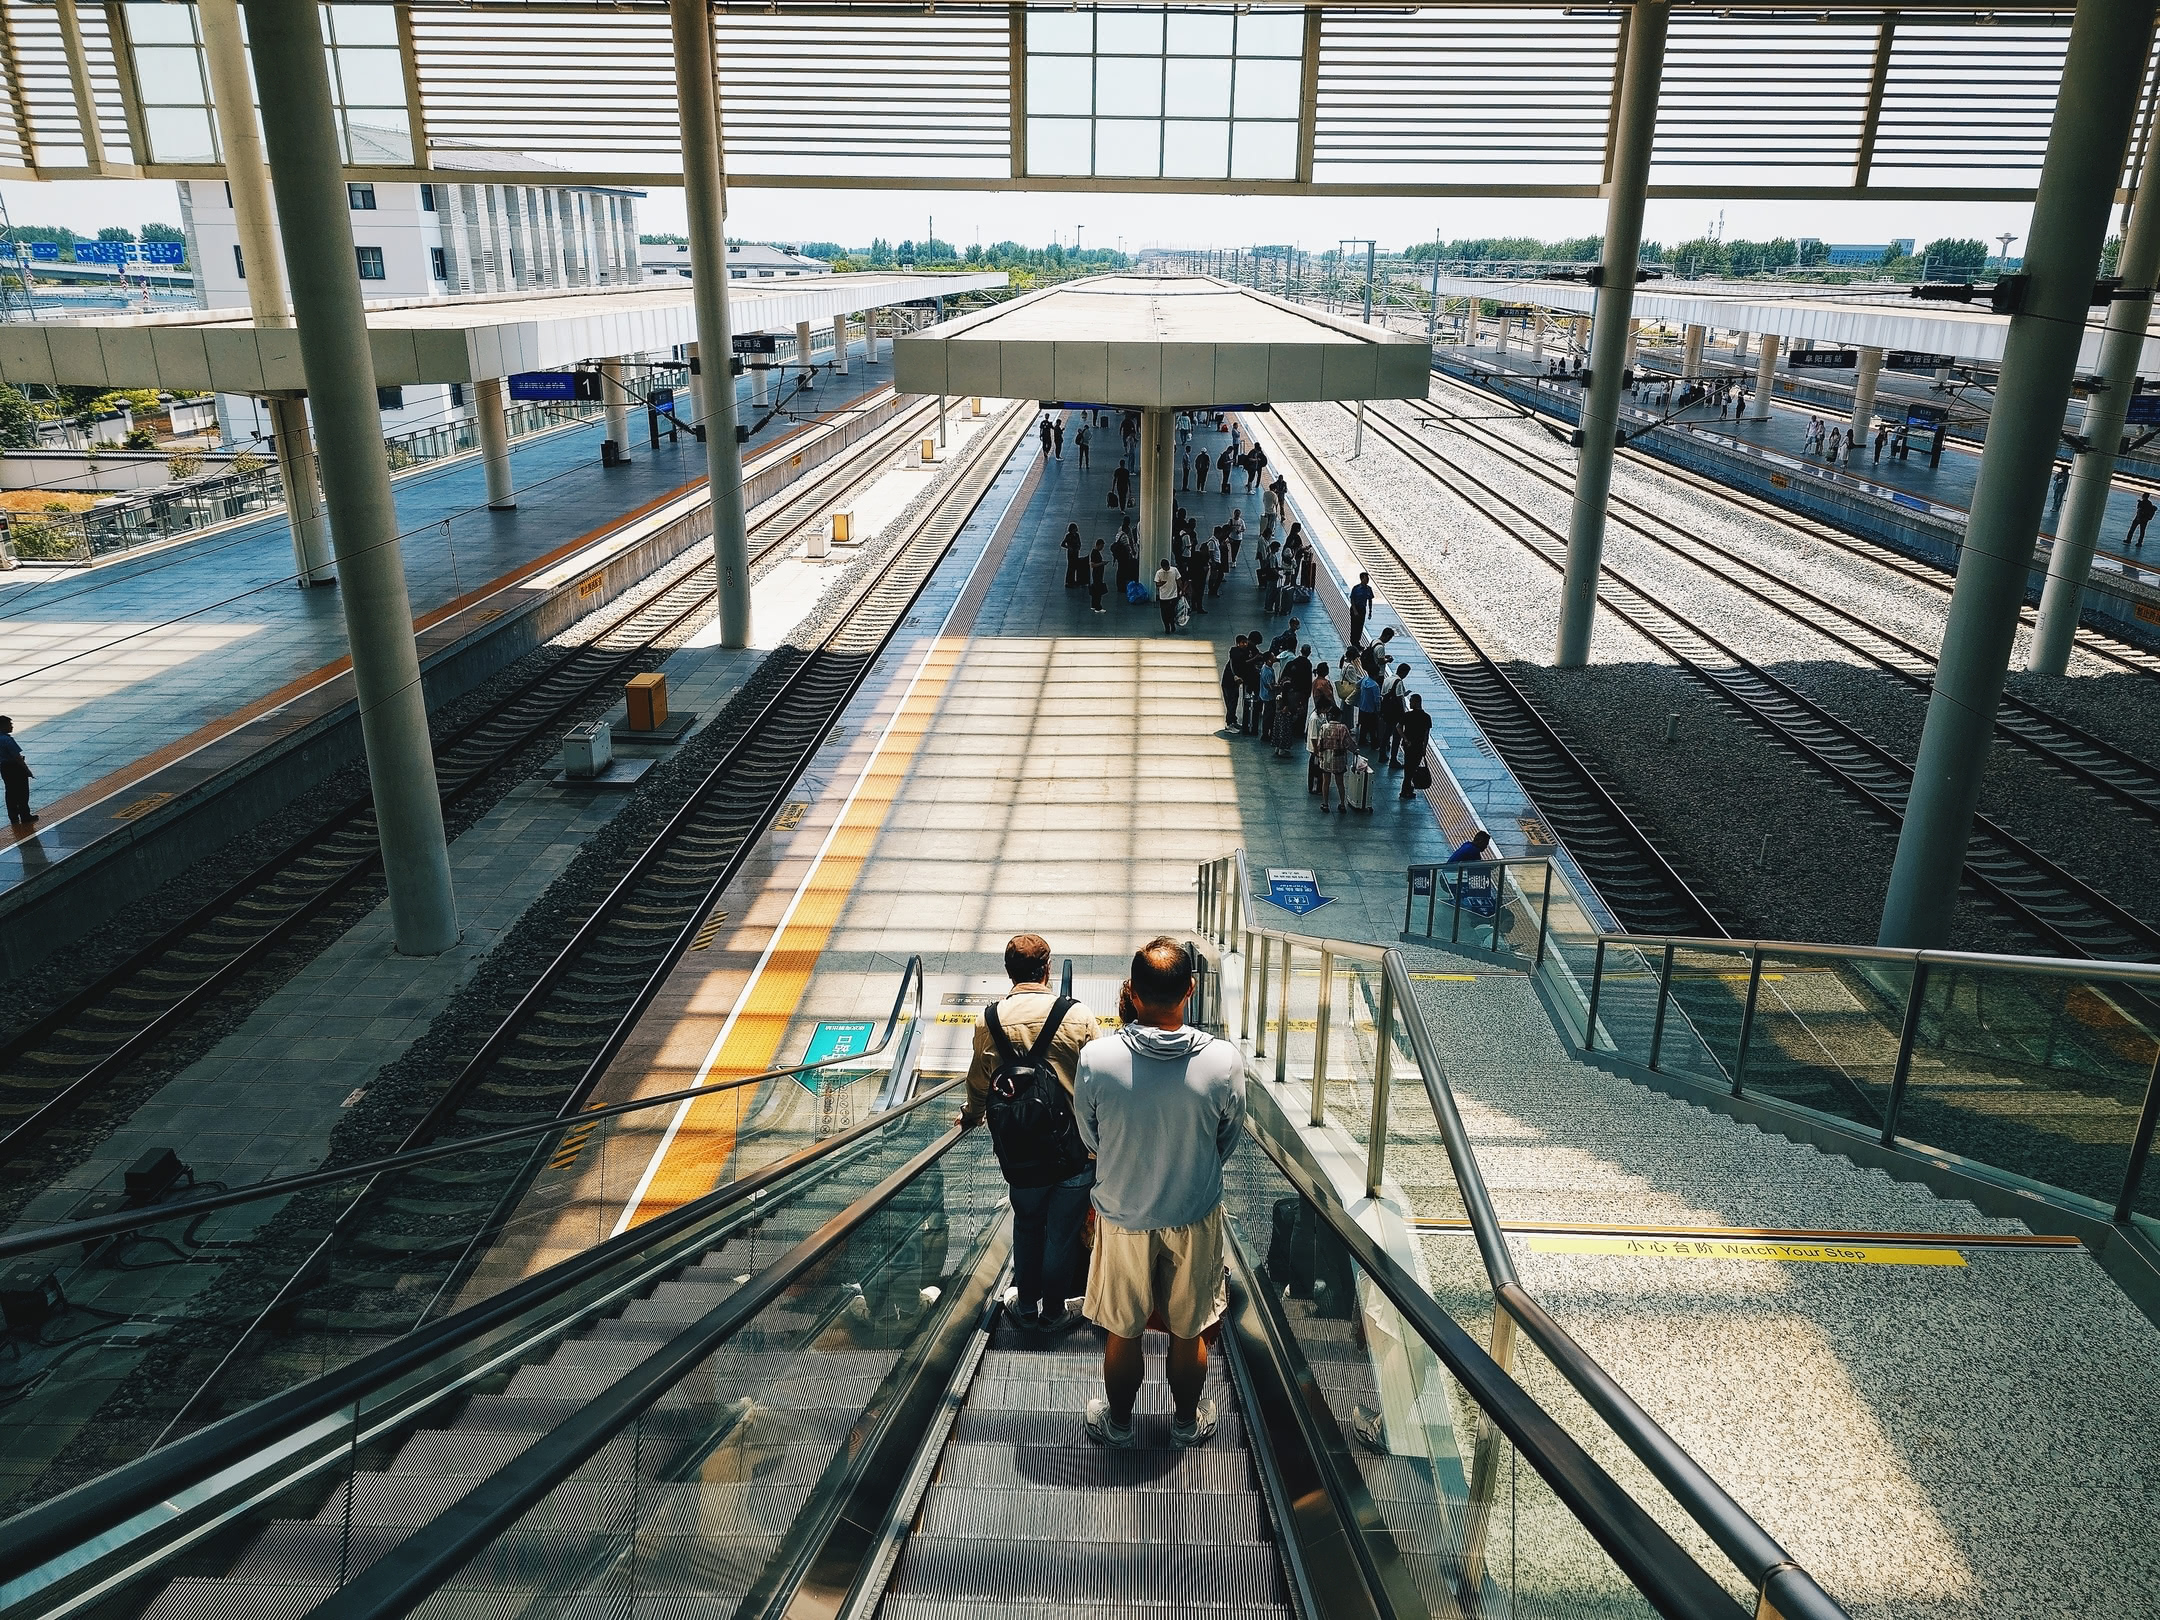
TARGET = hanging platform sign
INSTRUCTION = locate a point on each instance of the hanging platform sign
(835, 1038)
(756, 342)
(1913, 360)
(555, 386)
(1294, 888)
(1823, 359)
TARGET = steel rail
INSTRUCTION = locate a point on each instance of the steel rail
(556, 690)
(782, 708)
(1620, 858)
(2004, 866)
(2057, 742)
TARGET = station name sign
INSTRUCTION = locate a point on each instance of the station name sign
(2143, 410)
(555, 385)
(757, 342)
(1913, 360)
(1824, 359)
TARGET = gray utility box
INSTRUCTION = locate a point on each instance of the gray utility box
(588, 750)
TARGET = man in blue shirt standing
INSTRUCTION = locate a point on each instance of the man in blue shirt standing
(1160, 1106)
(15, 774)
(1361, 600)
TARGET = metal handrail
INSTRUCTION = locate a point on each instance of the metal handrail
(2139, 980)
(131, 1220)
(2051, 966)
(1224, 887)
(269, 1446)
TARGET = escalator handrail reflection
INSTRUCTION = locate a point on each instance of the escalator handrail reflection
(89, 1521)
(134, 1220)
(407, 1575)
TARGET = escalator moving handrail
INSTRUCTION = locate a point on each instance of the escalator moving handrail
(406, 1576)
(132, 1220)
(99, 1507)
(1646, 1553)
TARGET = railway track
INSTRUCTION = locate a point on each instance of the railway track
(71, 1076)
(1619, 858)
(387, 1255)
(2123, 655)
(2037, 892)
(2056, 742)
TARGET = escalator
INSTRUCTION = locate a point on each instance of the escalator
(801, 1396)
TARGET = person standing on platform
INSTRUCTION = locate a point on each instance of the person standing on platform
(1270, 578)
(1057, 439)
(1027, 1056)
(1331, 758)
(1121, 486)
(1268, 676)
(1232, 683)
(1184, 469)
(1097, 566)
(15, 775)
(2059, 485)
(1128, 561)
(1287, 642)
(1223, 464)
(1166, 596)
(1234, 532)
(1292, 688)
(1882, 437)
(2139, 520)
(1375, 655)
(1161, 1105)
(1080, 442)
(1249, 684)
(1416, 734)
(1044, 430)
(1194, 581)
(1392, 709)
(1073, 547)
(1368, 709)
(1361, 600)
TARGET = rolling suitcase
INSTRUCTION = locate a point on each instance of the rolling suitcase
(1357, 785)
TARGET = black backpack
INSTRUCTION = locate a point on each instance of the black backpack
(1031, 1119)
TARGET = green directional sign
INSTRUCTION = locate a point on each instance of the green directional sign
(836, 1038)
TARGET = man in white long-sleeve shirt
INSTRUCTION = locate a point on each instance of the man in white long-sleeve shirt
(1160, 1106)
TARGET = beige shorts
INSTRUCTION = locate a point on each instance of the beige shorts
(1176, 1272)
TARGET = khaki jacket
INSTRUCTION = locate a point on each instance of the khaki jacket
(1021, 1016)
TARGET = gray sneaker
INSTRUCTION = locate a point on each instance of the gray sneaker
(1198, 1432)
(1104, 1432)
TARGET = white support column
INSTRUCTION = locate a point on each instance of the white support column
(1691, 354)
(1739, 348)
(1863, 397)
(1642, 71)
(802, 348)
(839, 345)
(2092, 472)
(697, 100)
(761, 383)
(1765, 378)
(1158, 485)
(1474, 319)
(255, 218)
(2110, 43)
(293, 75)
(490, 402)
(615, 395)
(1537, 339)
(690, 403)
(870, 337)
(1634, 342)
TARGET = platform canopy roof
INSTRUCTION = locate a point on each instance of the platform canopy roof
(1762, 98)
(1160, 341)
(435, 340)
(1969, 332)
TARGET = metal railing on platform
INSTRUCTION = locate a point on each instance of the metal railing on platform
(1348, 1048)
(2043, 1068)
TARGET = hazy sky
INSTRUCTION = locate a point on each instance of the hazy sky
(852, 218)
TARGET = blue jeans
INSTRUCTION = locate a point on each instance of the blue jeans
(1047, 1223)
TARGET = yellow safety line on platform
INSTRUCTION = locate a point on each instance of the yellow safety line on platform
(1763, 1234)
(1656, 1248)
(701, 1137)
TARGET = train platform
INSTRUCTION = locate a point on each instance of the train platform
(1945, 488)
(1016, 762)
(137, 687)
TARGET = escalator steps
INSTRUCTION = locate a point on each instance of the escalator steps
(1069, 1572)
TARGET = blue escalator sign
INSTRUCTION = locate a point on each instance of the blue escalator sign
(1294, 888)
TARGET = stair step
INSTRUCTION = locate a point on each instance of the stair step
(1164, 1517)
(1063, 1573)
(1150, 1429)
(1092, 1467)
